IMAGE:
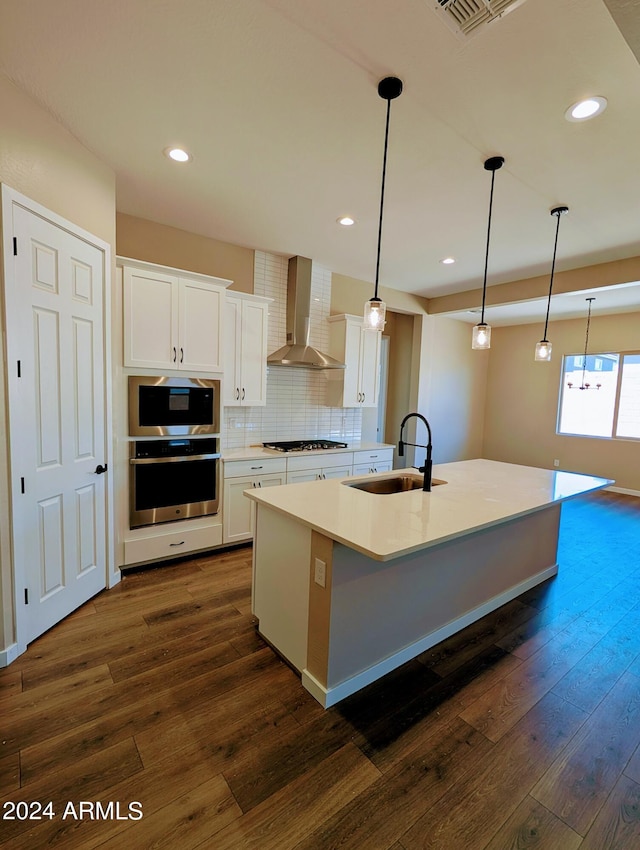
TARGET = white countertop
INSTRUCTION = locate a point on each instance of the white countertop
(258, 452)
(478, 494)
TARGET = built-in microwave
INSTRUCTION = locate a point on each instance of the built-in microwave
(173, 407)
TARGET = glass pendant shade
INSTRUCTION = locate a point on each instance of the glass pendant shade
(543, 351)
(374, 315)
(481, 337)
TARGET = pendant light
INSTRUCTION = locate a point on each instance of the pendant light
(374, 310)
(543, 348)
(584, 386)
(481, 337)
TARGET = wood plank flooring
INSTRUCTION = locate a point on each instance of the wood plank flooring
(520, 733)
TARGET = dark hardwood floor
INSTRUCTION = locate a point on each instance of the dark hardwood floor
(521, 732)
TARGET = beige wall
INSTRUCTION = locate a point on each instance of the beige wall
(157, 243)
(399, 329)
(457, 380)
(43, 161)
(348, 295)
(522, 399)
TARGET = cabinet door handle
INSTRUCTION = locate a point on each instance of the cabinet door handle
(181, 354)
(363, 397)
(259, 483)
(237, 394)
(181, 543)
(175, 354)
(243, 394)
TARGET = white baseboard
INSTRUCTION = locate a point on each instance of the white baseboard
(330, 696)
(9, 654)
(623, 490)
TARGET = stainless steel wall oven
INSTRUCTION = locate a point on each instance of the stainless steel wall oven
(173, 479)
(177, 475)
(173, 407)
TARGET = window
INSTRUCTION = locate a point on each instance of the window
(600, 396)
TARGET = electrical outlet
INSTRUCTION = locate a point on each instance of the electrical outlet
(556, 461)
(320, 573)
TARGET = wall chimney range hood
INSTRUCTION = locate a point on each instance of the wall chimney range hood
(297, 351)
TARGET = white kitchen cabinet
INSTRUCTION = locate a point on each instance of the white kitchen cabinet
(172, 319)
(237, 510)
(357, 385)
(376, 460)
(317, 467)
(171, 540)
(245, 359)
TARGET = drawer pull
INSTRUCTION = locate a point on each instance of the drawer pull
(181, 543)
(256, 467)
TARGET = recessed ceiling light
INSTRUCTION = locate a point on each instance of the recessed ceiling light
(447, 261)
(346, 220)
(177, 154)
(585, 109)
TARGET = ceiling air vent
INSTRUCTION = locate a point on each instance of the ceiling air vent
(468, 17)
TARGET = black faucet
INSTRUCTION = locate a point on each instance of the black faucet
(428, 463)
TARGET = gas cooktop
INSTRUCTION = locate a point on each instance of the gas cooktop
(304, 445)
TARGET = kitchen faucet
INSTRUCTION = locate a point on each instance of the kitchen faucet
(428, 463)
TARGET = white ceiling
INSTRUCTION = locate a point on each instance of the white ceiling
(277, 101)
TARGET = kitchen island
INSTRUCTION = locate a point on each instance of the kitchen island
(349, 584)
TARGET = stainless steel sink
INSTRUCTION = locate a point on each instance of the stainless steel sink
(392, 484)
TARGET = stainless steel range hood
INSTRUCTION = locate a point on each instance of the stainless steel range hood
(297, 351)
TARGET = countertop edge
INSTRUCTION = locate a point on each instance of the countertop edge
(383, 555)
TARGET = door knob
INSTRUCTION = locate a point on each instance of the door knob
(99, 470)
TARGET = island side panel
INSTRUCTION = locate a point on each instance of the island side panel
(282, 550)
(319, 611)
(401, 607)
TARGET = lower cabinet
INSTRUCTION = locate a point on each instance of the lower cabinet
(303, 468)
(378, 460)
(241, 475)
(171, 541)
(367, 469)
(318, 473)
(237, 511)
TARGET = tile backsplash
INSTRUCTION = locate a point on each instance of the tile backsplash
(296, 398)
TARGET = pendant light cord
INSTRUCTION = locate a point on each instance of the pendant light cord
(553, 266)
(486, 256)
(586, 341)
(384, 175)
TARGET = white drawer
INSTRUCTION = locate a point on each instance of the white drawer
(242, 468)
(379, 455)
(319, 460)
(171, 544)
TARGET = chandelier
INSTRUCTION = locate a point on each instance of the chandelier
(583, 385)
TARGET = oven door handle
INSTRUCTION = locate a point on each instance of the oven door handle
(179, 458)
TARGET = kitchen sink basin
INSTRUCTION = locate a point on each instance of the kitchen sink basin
(392, 484)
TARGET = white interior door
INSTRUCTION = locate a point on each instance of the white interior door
(55, 346)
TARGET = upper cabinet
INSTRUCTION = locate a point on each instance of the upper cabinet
(245, 359)
(357, 385)
(172, 319)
